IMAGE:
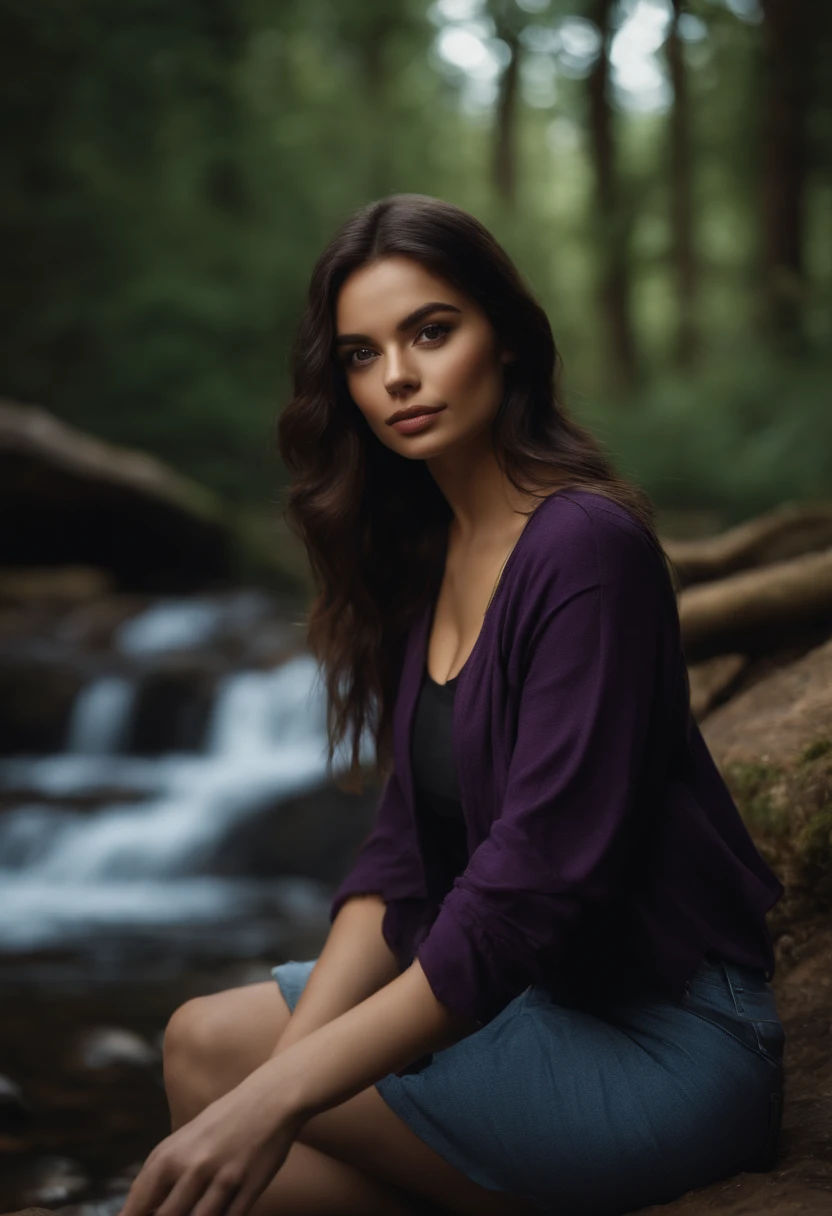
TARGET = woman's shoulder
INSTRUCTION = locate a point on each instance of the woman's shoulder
(583, 536)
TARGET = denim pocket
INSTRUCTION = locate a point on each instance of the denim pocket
(738, 1000)
(771, 1039)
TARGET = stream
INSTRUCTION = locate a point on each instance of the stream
(117, 896)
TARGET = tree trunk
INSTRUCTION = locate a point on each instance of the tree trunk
(504, 164)
(788, 56)
(681, 187)
(612, 222)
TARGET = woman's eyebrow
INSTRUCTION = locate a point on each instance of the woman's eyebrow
(405, 323)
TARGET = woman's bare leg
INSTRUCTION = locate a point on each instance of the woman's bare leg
(309, 1183)
(212, 1043)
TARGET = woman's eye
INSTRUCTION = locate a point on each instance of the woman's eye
(353, 359)
(442, 330)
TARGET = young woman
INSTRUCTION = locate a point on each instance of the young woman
(545, 987)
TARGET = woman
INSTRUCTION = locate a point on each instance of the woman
(545, 983)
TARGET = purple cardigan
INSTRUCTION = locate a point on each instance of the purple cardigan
(604, 846)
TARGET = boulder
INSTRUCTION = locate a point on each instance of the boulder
(36, 699)
(777, 718)
(311, 835)
(773, 744)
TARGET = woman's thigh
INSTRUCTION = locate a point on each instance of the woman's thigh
(213, 1042)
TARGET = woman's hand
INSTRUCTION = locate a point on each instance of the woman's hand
(221, 1162)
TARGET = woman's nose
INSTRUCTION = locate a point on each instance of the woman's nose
(399, 373)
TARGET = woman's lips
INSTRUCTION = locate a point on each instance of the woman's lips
(408, 426)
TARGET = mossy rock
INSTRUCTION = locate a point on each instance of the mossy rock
(788, 811)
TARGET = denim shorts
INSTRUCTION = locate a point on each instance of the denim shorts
(602, 1113)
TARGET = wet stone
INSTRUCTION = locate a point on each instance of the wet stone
(55, 1180)
(113, 1046)
(14, 1109)
(104, 1207)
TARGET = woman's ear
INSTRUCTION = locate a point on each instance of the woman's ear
(507, 356)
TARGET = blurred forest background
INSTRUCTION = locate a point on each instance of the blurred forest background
(661, 172)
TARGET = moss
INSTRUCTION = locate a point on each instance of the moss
(816, 856)
(746, 780)
(816, 749)
(750, 785)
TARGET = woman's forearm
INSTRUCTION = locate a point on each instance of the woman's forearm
(382, 1034)
(354, 962)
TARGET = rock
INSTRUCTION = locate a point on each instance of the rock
(77, 500)
(31, 1212)
(61, 585)
(712, 680)
(103, 1207)
(55, 1180)
(121, 1183)
(773, 744)
(311, 835)
(174, 703)
(94, 624)
(36, 699)
(779, 716)
(14, 1109)
(109, 1046)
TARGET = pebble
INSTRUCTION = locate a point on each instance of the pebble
(55, 1180)
(14, 1109)
(104, 1207)
(105, 1046)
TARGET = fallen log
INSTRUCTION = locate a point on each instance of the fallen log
(786, 532)
(758, 610)
(70, 499)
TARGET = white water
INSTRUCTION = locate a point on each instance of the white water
(190, 624)
(74, 876)
(101, 717)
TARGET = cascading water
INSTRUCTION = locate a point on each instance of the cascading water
(141, 864)
(100, 722)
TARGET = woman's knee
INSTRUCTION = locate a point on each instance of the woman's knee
(192, 1041)
(212, 1042)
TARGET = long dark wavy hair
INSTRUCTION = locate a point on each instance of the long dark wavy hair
(375, 523)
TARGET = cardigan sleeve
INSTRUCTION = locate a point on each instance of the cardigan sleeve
(558, 845)
(389, 863)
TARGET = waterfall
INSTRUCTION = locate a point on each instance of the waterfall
(101, 716)
(265, 742)
(104, 843)
(192, 624)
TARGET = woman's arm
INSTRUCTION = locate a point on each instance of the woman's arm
(220, 1162)
(354, 963)
(396, 1025)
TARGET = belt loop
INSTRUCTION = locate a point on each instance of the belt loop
(733, 987)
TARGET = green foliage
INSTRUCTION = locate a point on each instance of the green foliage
(745, 434)
(173, 171)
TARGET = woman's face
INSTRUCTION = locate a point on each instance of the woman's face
(397, 352)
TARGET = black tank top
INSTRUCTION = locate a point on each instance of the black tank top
(438, 805)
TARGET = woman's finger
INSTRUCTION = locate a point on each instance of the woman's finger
(219, 1196)
(246, 1197)
(149, 1190)
(187, 1192)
